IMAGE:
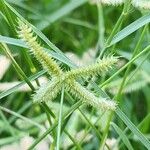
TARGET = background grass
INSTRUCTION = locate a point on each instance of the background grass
(76, 27)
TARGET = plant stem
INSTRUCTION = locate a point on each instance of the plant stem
(117, 25)
(60, 120)
(65, 116)
(129, 67)
(8, 15)
(126, 65)
(101, 27)
(73, 140)
(16, 66)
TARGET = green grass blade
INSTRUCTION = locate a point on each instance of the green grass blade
(14, 89)
(18, 69)
(9, 127)
(130, 29)
(126, 65)
(22, 117)
(73, 140)
(8, 140)
(38, 32)
(20, 43)
(122, 136)
(133, 128)
(65, 116)
(60, 119)
(8, 15)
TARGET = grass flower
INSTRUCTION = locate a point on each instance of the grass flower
(26, 34)
(101, 66)
(50, 90)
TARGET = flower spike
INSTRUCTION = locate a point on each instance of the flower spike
(26, 34)
(50, 90)
(95, 69)
(82, 93)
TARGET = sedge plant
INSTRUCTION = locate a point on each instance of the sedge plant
(59, 78)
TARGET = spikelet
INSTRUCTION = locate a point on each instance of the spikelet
(101, 66)
(26, 34)
(48, 91)
(89, 98)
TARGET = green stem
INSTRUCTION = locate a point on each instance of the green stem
(126, 65)
(8, 15)
(7, 123)
(65, 116)
(73, 140)
(117, 25)
(16, 66)
(129, 67)
(60, 120)
(104, 137)
(139, 126)
(101, 28)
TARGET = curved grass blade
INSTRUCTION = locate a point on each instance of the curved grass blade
(130, 29)
(20, 43)
(13, 89)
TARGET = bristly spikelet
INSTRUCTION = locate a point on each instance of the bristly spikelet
(26, 34)
(101, 66)
(81, 93)
(48, 91)
(51, 89)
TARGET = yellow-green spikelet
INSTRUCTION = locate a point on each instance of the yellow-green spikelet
(101, 66)
(26, 34)
(86, 96)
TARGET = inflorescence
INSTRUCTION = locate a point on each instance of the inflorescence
(50, 90)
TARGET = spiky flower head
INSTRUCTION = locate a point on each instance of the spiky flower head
(101, 66)
(26, 34)
(48, 91)
(89, 98)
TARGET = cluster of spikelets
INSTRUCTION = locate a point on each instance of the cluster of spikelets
(141, 4)
(50, 90)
